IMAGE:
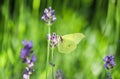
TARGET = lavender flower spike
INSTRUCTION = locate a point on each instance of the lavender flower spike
(49, 15)
(59, 74)
(53, 40)
(109, 62)
(26, 57)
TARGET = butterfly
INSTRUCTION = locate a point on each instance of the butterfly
(69, 42)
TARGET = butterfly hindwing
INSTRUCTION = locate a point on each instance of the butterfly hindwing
(66, 46)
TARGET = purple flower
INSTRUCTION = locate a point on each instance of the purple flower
(27, 49)
(24, 53)
(59, 74)
(109, 62)
(26, 76)
(49, 15)
(27, 58)
(33, 58)
(27, 44)
(27, 73)
(31, 62)
(53, 40)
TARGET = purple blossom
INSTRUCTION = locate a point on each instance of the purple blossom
(27, 49)
(33, 58)
(59, 74)
(26, 76)
(27, 73)
(28, 58)
(24, 53)
(53, 40)
(31, 62)
(49, 15)
(27, 44)
(109, 62)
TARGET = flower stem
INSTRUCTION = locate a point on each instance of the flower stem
(48, 51)
(109, 75)
(52, 62)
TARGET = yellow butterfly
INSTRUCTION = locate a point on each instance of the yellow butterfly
(69, 42)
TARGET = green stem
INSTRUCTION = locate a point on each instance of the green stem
(48, 51)
(52, 62)
(109, 74)
(29, 77)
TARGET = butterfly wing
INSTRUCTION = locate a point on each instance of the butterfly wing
(66, 46)
(69, 42)
(76, 37)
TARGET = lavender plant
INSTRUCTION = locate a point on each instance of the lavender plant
(66, 43)
(54, 39)
(28, 58)
(109, 64)
(59, 74)
(48, 17)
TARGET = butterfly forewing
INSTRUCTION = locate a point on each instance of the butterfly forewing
(76, 37)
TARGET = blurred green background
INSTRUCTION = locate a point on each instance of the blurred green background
(99, 20)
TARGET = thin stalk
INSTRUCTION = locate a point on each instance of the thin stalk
(109, 74)
(52, 62)
(48, 51)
